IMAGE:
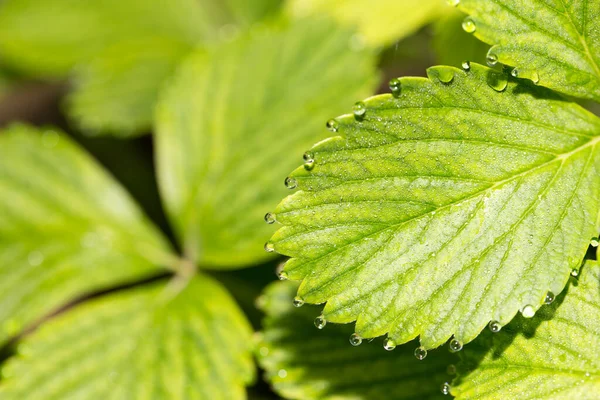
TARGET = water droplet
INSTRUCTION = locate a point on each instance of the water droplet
(515, 72)
(320, 322)
(497, 81)
(309, 165)
(359, 110)
(453, 3)
(50, 139)
(396, 87)
(282, 275)
(495, 326)
(308, 157)
(445, 388)
(549, 298)
(468, 25)
(290, 183)
(574, 272)
(269, 218)
(492, 59)
(332, 125)
(282, 373)
(451, 369)
(595, 242)
(389, 344)
(35, 258)
(535, 77)
(445, 75)
(420, 353)
(466, 65)
(298, 301)
(528, 311)
(269, 247)
(455, 345)
(355, 339)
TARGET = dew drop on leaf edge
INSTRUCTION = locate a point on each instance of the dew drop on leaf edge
(549, 298)
(359, 110)
(594, 242)
(355, 339)
(332, 125)
(455, 345)
(320, 322)
(494, 326)
(269, 247)
(298, 301)
(396, 87)
(466, 65)
(290, 183)
(492, 59)
(528, 311)
(446, 75)
(389, 344)
(468, 25)
(420, 353)
(269, 218)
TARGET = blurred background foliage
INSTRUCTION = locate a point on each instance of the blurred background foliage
(218, 98)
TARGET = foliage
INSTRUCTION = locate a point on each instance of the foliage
(454, 203)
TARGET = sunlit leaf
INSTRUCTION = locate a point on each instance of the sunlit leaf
(142, 343)
(555, 355)
(230, 121)
(303, 362)
(553, 43)
(67, 228)
(379, 22)
(461, 201)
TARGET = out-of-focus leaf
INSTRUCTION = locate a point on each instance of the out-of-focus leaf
(127, 47)
(116, 91)
(142, 343)
(555, 355)
(554, 43)
(452, 45)
(460, 201)
(303, 362)
(67, 228)
(229, 121)
(379, 22)
(47, 38)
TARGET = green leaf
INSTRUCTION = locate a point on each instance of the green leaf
(125, 49)
(379, 23)
(229, 118)
(452, 45)
(67, 228)
(303, 362)
(48, 38)
(554, 43)
(143, 343)
(555, 355)
(452, 205)
(116, 91)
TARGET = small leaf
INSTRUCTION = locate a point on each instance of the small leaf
(555, 355)
(67, 228)
(227, 122)
(379, 22)
(461, 201)
(142, 343)
(117, 90)
(303, 362)
(556, 45)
